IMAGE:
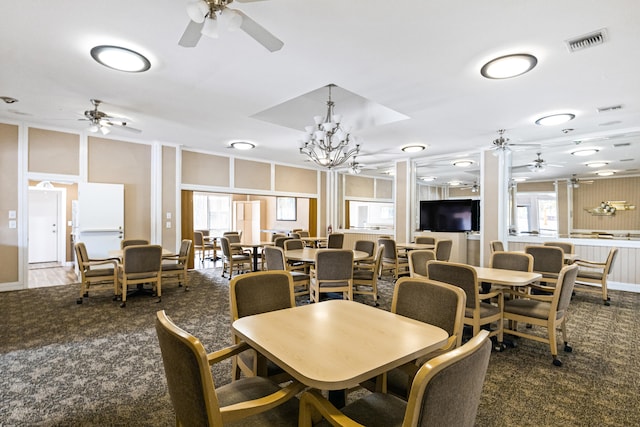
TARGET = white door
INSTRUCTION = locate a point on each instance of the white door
(44, 207)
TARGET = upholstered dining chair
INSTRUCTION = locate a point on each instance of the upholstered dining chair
(255, 293)
(391, 260)
(547, 260)
(443, 249)
(132, 242)
(332, 272)
(293, 244)
(198, 402)
(303, 233)
(231, 260)
(294, 235)
(548, 311)
(567, 247)
(368, 246)
(366, 275)
(425, 240)
(445, 392)
(479, 309)
(496, 246)
(279, 241)
(593, 274)
(199, 245)
(275, 260)
(235, 237)
(175, 267)
(101, 273)
(141, 265)
(335, 241)
(418, 261)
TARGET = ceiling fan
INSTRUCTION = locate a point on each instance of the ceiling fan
(102, 122)
(209, 17)
(575, 181)
(538, 164)
(502, 144)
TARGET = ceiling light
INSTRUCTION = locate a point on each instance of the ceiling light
(585, 152)
(454, 183)
(508, 66)
(555, 119)
(210, 27)
(462, 163)
(326, 143)
(8, 99)
(596, 164)
(414, 148)
(242, 145)
(197, 10)
(605, 173)
(428, 178)
(520, 179)
(120, 58)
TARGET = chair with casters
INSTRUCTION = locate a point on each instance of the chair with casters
(293, 245)
(141, 265)
(548, 261)
(195, 398)
(425, 240)
(366, 275)
(567, 247)
(132, 242)
(391, 260)
(303, 233)
(516, 261)
(443, 249)
(255, 293)
(367, 246)
(593, 274)
(274, 236)
(279, 241)
(234, 237)
(101, 273)
(332, 272)
(294, 235)
(199, 245)
(496, 246)
(231, 260)
(335, 241)
(432, 302)
(275, 260)
(418, 261)
(445, 392)
(480, 310)
(549, 311)
(175, 267)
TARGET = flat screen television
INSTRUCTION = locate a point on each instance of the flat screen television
(450, 215)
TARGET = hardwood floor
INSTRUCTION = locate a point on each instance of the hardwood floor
(51, 274)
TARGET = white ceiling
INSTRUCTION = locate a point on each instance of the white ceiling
(418, 58)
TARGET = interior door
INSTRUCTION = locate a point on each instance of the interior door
(43, 225)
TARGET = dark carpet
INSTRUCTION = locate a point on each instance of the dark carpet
(95, 364)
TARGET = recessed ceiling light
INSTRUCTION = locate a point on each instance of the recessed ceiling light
(462, 163)
(520, 179)
(120, 58)
(555, 119)
(596, 164)
(413, 148)
(585, 152)
(605, 173)
(508, 66)
(428, 178)
(454, 183)
(242, 145)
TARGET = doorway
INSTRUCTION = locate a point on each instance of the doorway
(46, 227)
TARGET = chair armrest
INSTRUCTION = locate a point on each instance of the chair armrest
(105, 261)
(590, 264)
(245, 409)
(544, 298)
(542, 287)
(312, 403)
(175, 257)
(225, 353)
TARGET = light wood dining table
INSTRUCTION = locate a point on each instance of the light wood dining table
(414, 246)
(309, 254)
(338, 344)
(314, 240)
(506, 277)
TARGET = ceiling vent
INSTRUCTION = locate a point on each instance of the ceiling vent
(588, 40)
(610, 108)
(622, 144)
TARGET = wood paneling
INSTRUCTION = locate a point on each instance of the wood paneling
(54, 152)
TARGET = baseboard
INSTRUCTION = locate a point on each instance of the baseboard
(628, 287)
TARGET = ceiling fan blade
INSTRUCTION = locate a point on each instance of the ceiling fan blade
(259, 33)
(191, 34)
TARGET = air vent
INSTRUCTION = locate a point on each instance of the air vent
(622, 144)
(627, 160)
(588, 40)
(611, 108)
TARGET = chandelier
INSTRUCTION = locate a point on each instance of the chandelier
(326, 143)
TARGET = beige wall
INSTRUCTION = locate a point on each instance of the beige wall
(252, 175)
(169, 183)
(54, 152)
(402, 204)
(205, 169)
(588, 196)
(9, 181)
(296, 180)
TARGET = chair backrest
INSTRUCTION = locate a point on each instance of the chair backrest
(188, 375)
(432, 302)
(367, 246)
(546, 259)
(274, 257)
(198, 239)
(335, 241)
(185, 248)
(446, 390)
(496, 245)
(562, 296)
(334, 264)
(461, 275)
(132, 242)
(293, 244)
(443, 249)
(303, 233)
(226, 247)
(260, 292)
(294, 235)
(205, 233)
(517, 261)
(425, 240)
(142, 259)
(613, 253)
(567, 247)
(81, 254)
(274, 236)
(418, 261)
(279, 241)
(232, 237)
(390, 252)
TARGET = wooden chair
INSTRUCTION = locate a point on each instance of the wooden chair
(195, 398)
(391, 261)
(366, 275)
(445, 392)
(99, 273)
(367, 246)
(517, 261)
(567, 247)
(132, 242)
(594, 274)
(479, 309)
(335, 241)
(548, 261)
(443, 249)
(332, 272)
(255, 293)
(199, 245)
(418, 261)
(549, 311)
(496, 246)
(235, 237)
(293, 244)
(175, 267)
(233, 260)
(425, 240)
(275, 260)
(141, 265)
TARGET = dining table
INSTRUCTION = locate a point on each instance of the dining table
(338, 344)
(118, 253)
(309, 254)
(501, 276)
(315, 241)
(255, 248)
(414, 246)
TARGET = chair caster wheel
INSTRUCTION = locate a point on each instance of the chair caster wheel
(123, 305)
(186, 288)
(86, 294)
(159, 301)
(557, 362)
(606, 302)
(79, 301)
(568, 348)
(499, 347)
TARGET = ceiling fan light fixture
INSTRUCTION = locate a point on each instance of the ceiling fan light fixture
(94, 128)
(104, 130)
(462, 163)
(585, 152)
(231, 19)
(120, 58)
(555, 119)
(197, 10)
(242, 145)
(413, 148)
(509, 66)
(210, 27)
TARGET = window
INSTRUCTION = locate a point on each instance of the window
(212, 212)
(285, 208)
(537, 213)
(371, 215)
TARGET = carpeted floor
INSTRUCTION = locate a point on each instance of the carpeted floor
(95, 364)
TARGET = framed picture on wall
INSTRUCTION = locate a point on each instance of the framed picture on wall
(285, 208)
